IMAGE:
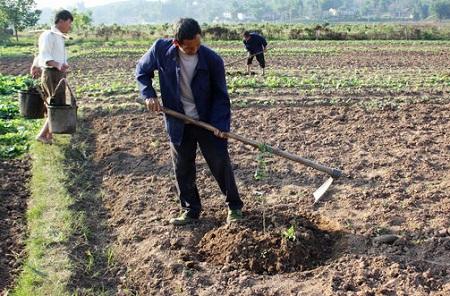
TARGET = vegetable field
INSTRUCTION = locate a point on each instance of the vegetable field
(378, 110)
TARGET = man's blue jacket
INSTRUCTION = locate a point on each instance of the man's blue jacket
(208, 86)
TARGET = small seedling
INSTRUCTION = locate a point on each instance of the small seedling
(188, 272)
(262, 199)
(289, 234)
(261, 169)
(110, 256)
(348, 223)
(155, 144)
(261, 174)
(381, 231)
(90, 261)
(264, 253)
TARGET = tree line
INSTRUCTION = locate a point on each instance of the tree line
(287, 11)
(16, 15)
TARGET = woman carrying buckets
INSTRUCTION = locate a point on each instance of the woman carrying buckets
(51, 62)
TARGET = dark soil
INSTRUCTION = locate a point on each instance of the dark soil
(15, 65)
(395, 157)
(14, 193)
(396, 163)
(248, 247)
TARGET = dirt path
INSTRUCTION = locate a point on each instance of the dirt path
(14, 175)
(397, 162)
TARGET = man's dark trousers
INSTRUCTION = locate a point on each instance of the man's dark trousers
(215, 152)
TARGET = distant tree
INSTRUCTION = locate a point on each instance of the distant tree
(313, 8)
(258, 8)
(172, 9)
(160, 11)
(3, 20)
(3, 27)
(328, 4)
(288, 9)
(235, 8)
(20, 14)
(441, 8)
(215, 9)
(281, 9)
(421, 10)
(383, 5)
(81, 20)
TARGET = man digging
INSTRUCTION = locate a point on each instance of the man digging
(256, 45)
(192, 80)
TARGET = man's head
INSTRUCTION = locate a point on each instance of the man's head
(246, 35)
(188, 35)
(63, 20)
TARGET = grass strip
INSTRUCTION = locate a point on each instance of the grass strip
(51, 223)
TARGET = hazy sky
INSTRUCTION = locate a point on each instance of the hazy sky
(72, 3)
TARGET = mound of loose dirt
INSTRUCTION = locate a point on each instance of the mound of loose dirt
(275, 251)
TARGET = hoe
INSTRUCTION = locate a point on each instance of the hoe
(332, 172)
(247, 57)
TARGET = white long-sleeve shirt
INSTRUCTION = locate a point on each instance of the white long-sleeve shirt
(51, 48)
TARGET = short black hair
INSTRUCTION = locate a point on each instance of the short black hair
(63, 15)
(247, 34)
(186, 29)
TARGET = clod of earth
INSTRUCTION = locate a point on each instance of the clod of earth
(244, 247)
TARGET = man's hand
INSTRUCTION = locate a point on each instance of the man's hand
(220, 134)
(35, 71)
(64, 67)
(153, 105)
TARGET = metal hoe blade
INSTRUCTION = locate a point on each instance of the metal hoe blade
(322, 189)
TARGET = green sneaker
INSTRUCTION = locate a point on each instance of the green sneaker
(234, 216)
(183, 219)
